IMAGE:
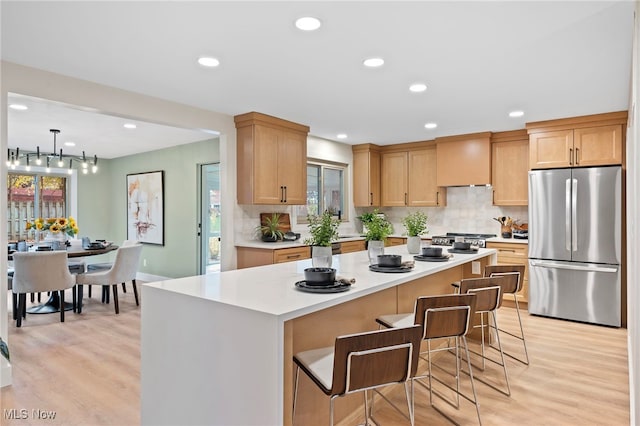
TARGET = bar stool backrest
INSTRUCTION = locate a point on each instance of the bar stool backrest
(377, 358)
(512, 273)
(488, 292)
(446, 315)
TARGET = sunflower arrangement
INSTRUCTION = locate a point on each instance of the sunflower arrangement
(55, 225)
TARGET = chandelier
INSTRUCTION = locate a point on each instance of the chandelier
(28, 158)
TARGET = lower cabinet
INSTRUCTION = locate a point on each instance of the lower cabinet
(250, 256)
(351, 246)
(514, 253)
(395, 241)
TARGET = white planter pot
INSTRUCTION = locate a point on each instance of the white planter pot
(374, 249)
(321, 257)
(413, 244)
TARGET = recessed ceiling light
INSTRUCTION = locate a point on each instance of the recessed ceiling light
(516, 113)
(69, 143)
(208, 61)
(430, 126)
(418, 87)
(373, 62)
(341, 135)
(18, 107)
(130, 126)
(308, 23)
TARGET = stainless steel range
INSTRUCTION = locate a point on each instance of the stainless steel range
(476, 240)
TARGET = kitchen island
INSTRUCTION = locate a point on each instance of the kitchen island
(217, 349)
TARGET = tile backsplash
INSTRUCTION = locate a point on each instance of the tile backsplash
(469, 210)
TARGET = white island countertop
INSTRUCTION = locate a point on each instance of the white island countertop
(271, 289)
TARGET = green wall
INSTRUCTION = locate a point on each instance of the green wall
(102, 205)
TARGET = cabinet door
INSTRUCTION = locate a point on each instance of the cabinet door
(510, 165)
(266, 186)
(395, 241)
(366, 178)
(352, 246)
(292, 167)
(422, 188)
(598, 146)
(394, 179)
(291, 254)
(514, 254)
(548, 150)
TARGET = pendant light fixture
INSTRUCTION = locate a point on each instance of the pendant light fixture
(16, 158)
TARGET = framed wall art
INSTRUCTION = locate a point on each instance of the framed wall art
(145, 207)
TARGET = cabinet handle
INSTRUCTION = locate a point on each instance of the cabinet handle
(577, 156)
(371, 198)
(293, 256)
(405, 199)
(437, 198)
(571, 156)
(281, 194)
(493, 197)
(509, 250)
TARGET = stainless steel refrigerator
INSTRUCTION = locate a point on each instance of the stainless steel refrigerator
(575, 244)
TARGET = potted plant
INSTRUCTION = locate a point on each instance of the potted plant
(323, 230)
(415, 224)
(270, 228)
(378, 228)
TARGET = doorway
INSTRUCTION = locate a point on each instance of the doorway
(209, 218)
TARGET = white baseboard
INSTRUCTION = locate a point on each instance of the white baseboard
(150, 278)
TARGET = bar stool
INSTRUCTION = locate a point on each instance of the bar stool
(442, 318)
(513, 284)
(362, 362)
(488, 293)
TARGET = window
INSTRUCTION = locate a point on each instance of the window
(326, 190)
(31, 196)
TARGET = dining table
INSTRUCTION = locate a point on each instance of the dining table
(52, 305)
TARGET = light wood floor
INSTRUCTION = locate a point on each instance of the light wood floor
(87, 370)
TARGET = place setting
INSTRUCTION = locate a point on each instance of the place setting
(463, 247)
(432, 254)
(323, 280)
(391, 263)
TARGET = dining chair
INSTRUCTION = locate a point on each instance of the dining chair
(514, 275)
(361, 362)
(105, 266)
(124, 268)
(442, 318)
(36, 272)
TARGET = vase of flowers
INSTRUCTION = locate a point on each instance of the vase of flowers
(323, 230)
(415, 224)
(55, 229)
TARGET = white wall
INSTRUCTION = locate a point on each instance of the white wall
(633, 228)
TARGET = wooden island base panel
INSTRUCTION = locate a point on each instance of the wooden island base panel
(224, 354)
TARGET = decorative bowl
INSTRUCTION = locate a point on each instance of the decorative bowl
(320, 276)
(389, 260)
(430, 251)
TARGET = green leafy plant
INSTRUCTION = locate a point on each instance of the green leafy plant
(415, 223)
(323, 229)
(271, 227)
(378, 227)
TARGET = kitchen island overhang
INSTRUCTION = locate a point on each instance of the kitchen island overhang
(216, 349)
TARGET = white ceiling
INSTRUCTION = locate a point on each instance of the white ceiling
(479, 59)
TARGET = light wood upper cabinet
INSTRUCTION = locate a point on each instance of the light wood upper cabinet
(464, 160)
(366, 175)
(595, 140)
(509, 168)
(271, 160)
(409, 178)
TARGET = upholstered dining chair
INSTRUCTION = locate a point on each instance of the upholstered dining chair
(124, 268)
(442, 318)
(36, 272)
(105, 266)
(361, 362)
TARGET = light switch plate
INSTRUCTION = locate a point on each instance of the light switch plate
(475, 268)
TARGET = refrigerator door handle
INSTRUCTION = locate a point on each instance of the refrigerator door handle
(567, 214)
(574, 222)
(556, 265)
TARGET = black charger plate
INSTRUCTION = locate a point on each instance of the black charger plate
(391, 269)
(431, 258)
(470, 251)
(336, 287)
